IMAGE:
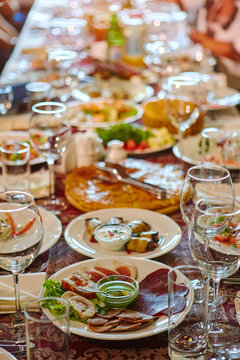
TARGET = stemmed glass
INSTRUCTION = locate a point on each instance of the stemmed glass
(61, 67)
(182, 102)
(21, 233)
(203, 181)
(211, 217)
(49, 132)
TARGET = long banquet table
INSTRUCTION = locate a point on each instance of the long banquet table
(61, 255)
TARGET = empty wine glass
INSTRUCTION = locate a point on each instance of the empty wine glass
(49, 132)
(182, 102)
(203, 181)
(211, 217)
(21, 233)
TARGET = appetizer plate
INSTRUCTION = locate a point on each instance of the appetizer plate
(5, 355)
(145, 267)
(52, 229)
(141, 92)
(78, 239)
(188, 150)
(75, 113)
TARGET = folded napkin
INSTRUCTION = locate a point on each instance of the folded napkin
(30, 287)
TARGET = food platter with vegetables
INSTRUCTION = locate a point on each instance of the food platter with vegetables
(103, 112)
(137, 139)
(90, 316)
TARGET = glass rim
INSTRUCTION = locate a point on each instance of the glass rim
(205, 276)
(38, 86)
(208, 211)
(13, 193)
(208, 167)
(41, 299)
(19, 151)
(61, 107)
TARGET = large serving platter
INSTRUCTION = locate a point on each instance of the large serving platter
(78, 239)
(144, 267)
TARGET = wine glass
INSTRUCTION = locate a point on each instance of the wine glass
(223, 330)
(203, 181)
(62, 73)
(21, 233)
(49, 132)
(182, 102)
(211, 218)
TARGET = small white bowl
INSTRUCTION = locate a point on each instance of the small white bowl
(112, 236)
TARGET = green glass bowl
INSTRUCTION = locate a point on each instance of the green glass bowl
(117, 291)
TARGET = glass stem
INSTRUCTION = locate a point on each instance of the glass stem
(51, 180)
(18, 312)
(216, 285)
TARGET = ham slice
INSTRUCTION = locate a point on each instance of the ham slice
(153, 295)
(116, 320)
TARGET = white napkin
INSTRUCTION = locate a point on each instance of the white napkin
(30, 286)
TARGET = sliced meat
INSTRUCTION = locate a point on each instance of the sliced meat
(111, 313)
(94, 275)
(105, 271)
(125, 268)
(106, 327)
(96, 321)
(131, 316)
(124, 326)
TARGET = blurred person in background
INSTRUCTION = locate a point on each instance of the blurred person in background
(12, 16)
(218, 29)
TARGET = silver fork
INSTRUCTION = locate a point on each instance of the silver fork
(118, 171)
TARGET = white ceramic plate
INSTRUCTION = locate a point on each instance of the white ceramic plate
(145, 93)
(74, 110)
(228, 97)
(52, 229)
(5, 355)
(144, 267)
(189, 151)
(77, 238)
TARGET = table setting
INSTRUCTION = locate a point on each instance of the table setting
(119, 189)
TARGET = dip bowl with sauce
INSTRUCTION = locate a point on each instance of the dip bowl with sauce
(117, 291)
(112, 236)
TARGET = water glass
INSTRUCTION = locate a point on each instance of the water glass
(223, 326)
(6, 99)
(47, 333)
(188, 291)
(16, 165)
(37, 91)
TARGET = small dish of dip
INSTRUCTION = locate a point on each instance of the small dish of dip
(112, 236)
(117, 291)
